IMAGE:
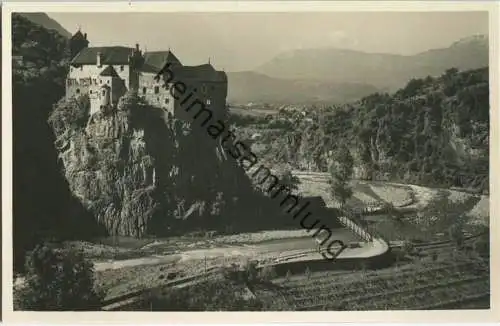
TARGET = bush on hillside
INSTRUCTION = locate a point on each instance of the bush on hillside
(58, 280)
(73, 112)
(482, 246)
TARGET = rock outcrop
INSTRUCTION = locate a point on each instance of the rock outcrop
(140, 173)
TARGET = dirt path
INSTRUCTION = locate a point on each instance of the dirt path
(271, 249)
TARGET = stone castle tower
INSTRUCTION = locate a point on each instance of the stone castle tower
(77, 43)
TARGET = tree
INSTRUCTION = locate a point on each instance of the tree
(288, 179)
(444, 215)
(482, 246)
(340, 173)
(58, 279)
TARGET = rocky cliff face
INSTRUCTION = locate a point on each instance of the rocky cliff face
(139, 173)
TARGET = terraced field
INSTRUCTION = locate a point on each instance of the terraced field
(449, 283)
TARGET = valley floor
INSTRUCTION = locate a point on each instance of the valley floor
(125, 265)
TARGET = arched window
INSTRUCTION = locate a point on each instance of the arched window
(77, 91)
(167, 100)
(103, 92)
(144, 90)
(157, 89)
(121, 68)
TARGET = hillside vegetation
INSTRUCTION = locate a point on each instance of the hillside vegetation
(42, 204)
(42, 19)
(433, 131)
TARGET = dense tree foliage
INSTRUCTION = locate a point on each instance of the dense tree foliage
(433, 131)
(340, 175)
(42, 204)
(58, 280)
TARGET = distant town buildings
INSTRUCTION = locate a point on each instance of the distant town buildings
(105, 74)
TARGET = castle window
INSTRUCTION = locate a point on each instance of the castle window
(208, 102)
(90, 91)
(144, 90)
(77, 91)
(121, 68)
(107, 82)
(103, 92)
(157, 89)
(100, 81)
(167, 100)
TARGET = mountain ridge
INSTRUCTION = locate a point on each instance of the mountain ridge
(382, 70)
(46, 21)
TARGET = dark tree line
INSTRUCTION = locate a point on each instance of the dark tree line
(43, 207)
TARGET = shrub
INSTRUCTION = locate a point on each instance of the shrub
(247, 273)
(307, 272)
(251, 272)
(232, 273)
(408, 248)
(482, 247)
(267, 273)
(58, 280)
(71, 113)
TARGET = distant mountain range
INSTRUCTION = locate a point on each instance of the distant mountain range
(332, 74)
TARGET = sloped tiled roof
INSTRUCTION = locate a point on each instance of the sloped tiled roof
(202, 72)
(109, 71)
(159, 58)
(117, 55)
(149, 68)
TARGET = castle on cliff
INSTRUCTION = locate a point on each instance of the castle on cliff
(105, 74)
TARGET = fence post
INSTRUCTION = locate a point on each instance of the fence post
(206, 276)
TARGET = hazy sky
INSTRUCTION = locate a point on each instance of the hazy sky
(240, 41)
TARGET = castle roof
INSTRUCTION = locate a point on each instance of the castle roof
(109, 71)
(117, 55)
(78, 35)
(202, 72)
(158, 59)
(205, 72)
